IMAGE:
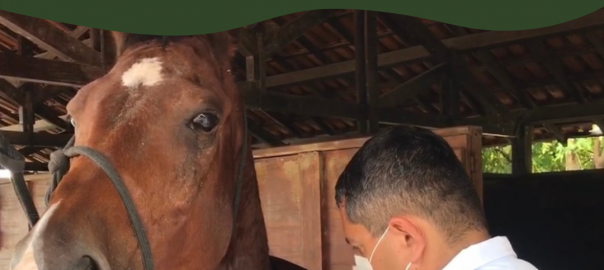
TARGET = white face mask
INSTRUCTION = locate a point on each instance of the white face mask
(374, 248)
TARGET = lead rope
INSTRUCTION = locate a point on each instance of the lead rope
(12, 160)
(240, 172)
(58, 165)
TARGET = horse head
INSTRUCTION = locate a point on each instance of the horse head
(169, 120)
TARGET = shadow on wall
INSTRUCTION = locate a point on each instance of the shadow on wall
(556, 222)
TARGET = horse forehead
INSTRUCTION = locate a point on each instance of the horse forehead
(27, 260)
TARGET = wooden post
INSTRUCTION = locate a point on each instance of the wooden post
(450, 96)
(359, 58)
(371, 71)
(522, 151)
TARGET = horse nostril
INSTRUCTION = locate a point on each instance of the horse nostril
(87, 263)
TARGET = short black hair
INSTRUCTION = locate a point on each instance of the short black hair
(409, 170)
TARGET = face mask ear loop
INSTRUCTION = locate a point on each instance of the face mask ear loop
(378, 243)
(408, 265)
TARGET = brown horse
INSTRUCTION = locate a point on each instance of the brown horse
(169, 119)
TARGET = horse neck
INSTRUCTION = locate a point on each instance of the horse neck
(249, 245)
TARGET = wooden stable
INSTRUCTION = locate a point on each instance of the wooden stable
(297, 193)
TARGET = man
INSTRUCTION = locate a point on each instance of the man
(406, 202)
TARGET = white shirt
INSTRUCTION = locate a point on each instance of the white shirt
(493, 254)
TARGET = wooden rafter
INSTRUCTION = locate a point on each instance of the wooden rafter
(555, 67)
(77, 33)
(546, 115)
(395, 66)
(47, 71)
(296, 28)
(261, 134)
(474, 42)
(50, 38)
(38, 139)
(410, 89)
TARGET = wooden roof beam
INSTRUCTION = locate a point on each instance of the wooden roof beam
(406, 26)
(50, 38)
(323, 126)
(35, 167)
(520, 94)
(47, 71)
(17, 96)
(478, 91)
(247, 43)
(261, 134)
(474, 42)
(301, 105)
(305, 42)
(248, 49)
(10, 92)
(38, 139)
(450, 97)
(557, 132)
(392, 75)
(28, 150)
(285, 123)
(48, 92)
(505, 79)
(556, 68)
(294, 29)
(595, 41)
(47, 114)
(542, 115)
(500, 73)
(314, 51)
(39, 125)
(411, 88)
(403, 31)
(77, 33)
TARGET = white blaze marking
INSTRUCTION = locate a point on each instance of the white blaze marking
(146, 72)
(27, 260)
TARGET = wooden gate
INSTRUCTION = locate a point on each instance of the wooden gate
(297, 193)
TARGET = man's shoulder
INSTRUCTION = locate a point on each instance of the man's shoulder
(508, 263)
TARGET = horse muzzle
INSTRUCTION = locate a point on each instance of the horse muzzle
(50, 246)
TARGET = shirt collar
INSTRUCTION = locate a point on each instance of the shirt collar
(477, 255)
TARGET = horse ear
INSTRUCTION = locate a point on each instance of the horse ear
(118, 38)
(223, 45)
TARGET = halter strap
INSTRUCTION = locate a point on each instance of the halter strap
(119, 186)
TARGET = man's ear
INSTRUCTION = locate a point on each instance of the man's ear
(410, 236)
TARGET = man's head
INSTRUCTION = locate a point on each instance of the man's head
(410, 183)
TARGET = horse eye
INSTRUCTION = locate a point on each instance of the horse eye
(205, 121)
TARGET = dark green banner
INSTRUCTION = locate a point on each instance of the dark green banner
(178, 17)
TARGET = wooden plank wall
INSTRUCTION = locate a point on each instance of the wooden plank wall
(297, 193)
(13, 222)
(296, 188)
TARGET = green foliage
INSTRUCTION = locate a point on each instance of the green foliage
(497, 159)
(546, 156)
